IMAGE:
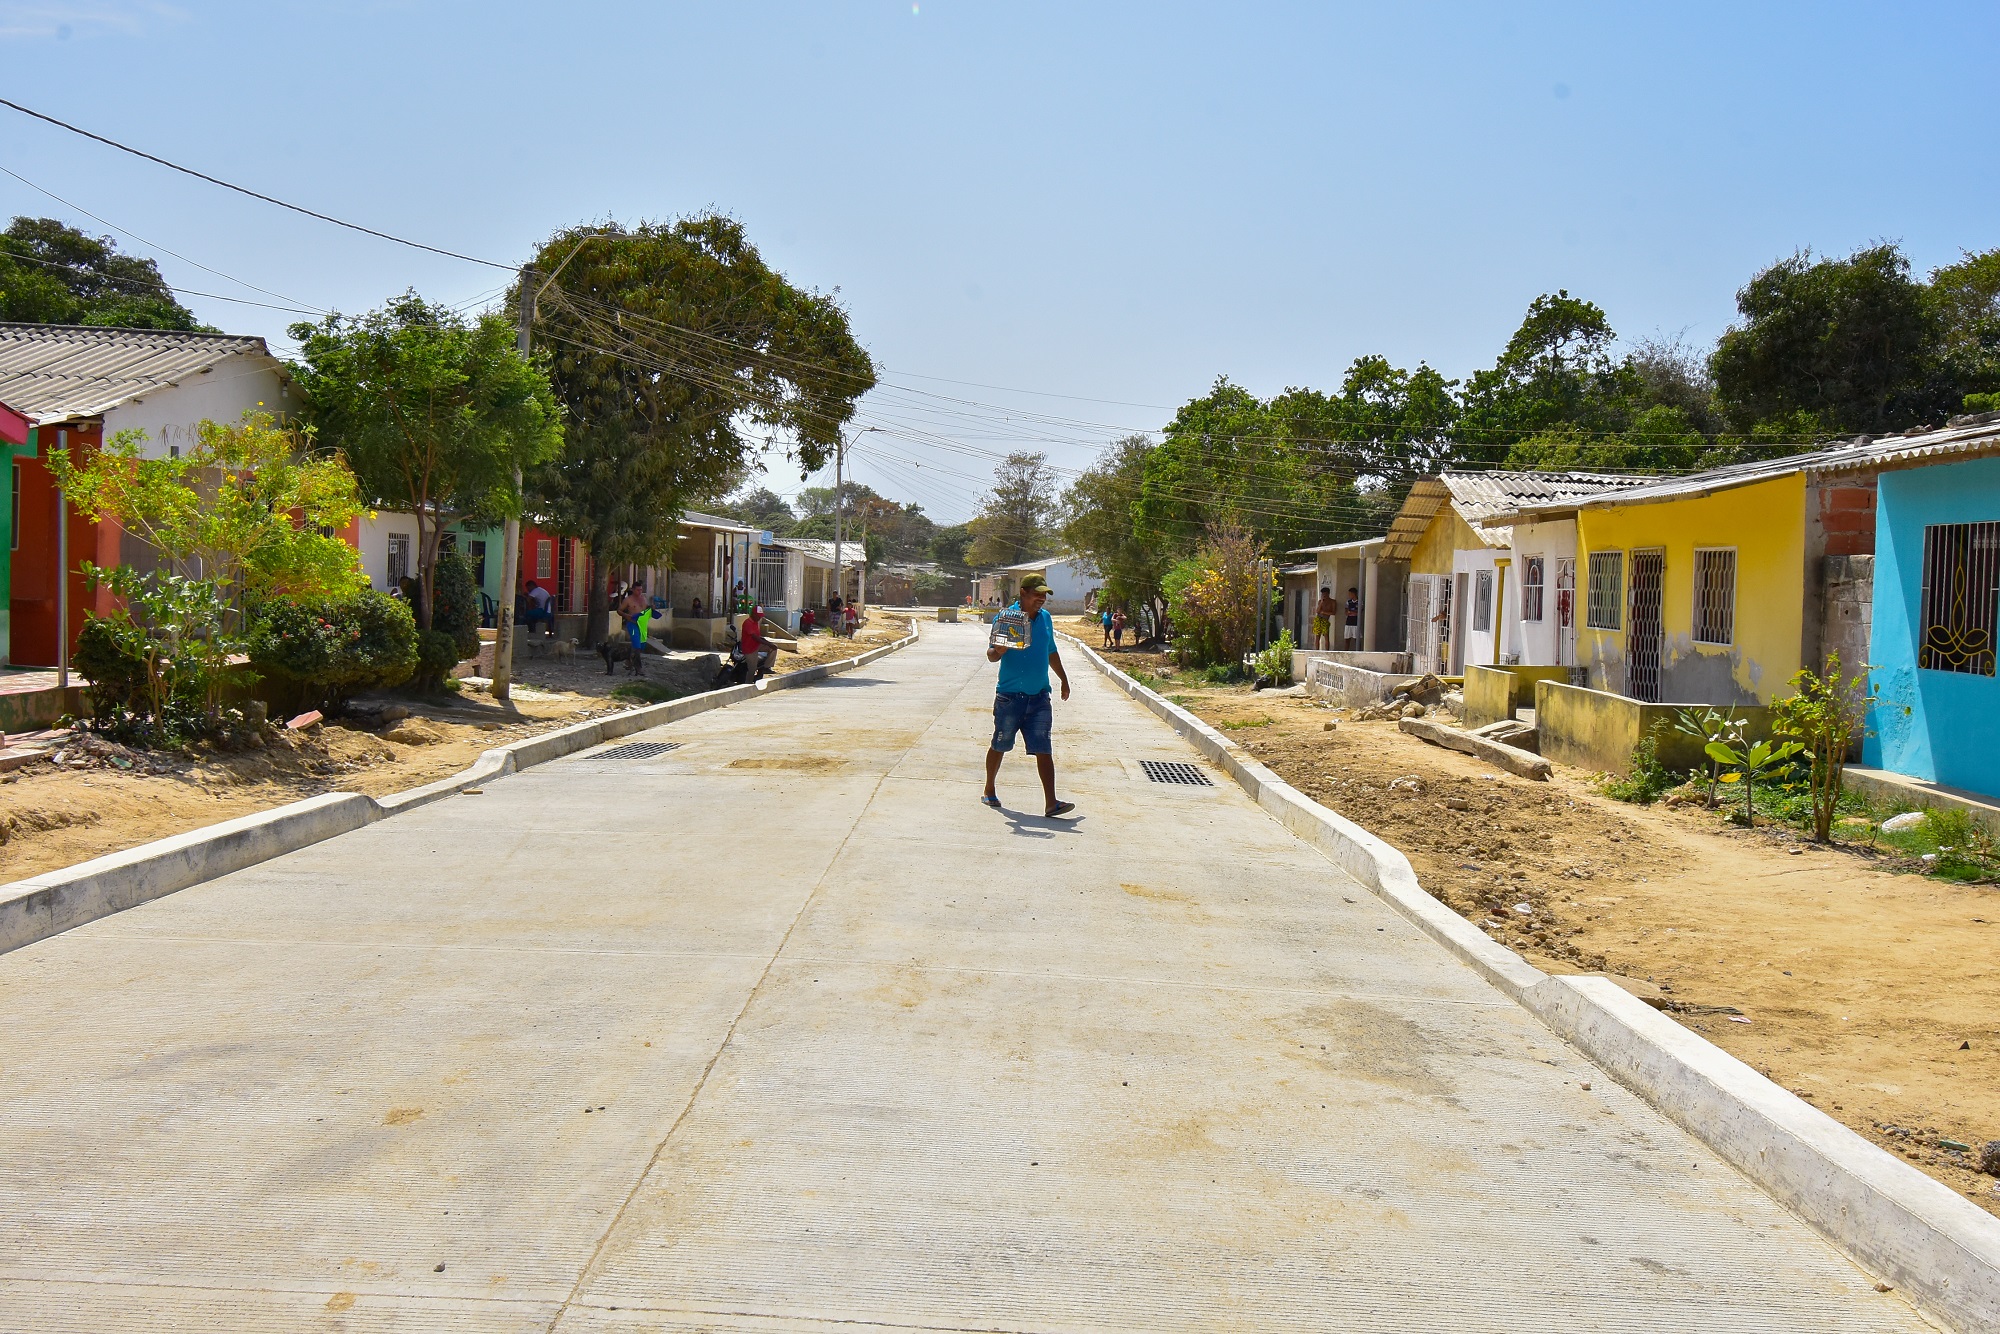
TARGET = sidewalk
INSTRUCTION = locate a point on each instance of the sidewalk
(780, 1028)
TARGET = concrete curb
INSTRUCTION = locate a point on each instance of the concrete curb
(1911, 1231)
(53, 902)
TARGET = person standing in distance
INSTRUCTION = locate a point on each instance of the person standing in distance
(1021, 697)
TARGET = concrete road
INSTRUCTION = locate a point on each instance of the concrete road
(781, 1030)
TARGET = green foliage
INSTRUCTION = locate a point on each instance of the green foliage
(1015, 519)
(455, 610)
(1952, 843)
(1710, 725)
(436, 416)
(437, 654)
(1097, 525)
(645, 692)
(1274, 663)
(51, 273)
(1215, 596)
(1856, 343)
(165, 658)
(1823, 714)
(1649, 779)
(1746, 764)
(317, 652)
(111, 654)
(1556, 370)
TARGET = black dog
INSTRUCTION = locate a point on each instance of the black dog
(620, 650)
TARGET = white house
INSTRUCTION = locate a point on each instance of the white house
(1073, 583)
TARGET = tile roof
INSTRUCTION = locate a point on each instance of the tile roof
(821, 548)
(61, 372)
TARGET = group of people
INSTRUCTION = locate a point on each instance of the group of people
(1113, 622)
(1326, 609)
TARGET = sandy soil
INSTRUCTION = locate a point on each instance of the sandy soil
(1869, 993)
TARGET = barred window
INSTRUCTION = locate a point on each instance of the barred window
(1482, 600)
(1961, 597)
(1531, 588)
(1604, 601)
(545, 558)
(1714, 595)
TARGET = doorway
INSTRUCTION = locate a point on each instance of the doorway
(1644, 627)
(1456, 606)
(1565, 611)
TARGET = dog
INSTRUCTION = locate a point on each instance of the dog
(620, 650)
(562, 650)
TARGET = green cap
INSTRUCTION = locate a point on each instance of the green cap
(1034, 583)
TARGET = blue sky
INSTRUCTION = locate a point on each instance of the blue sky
(1114, 201)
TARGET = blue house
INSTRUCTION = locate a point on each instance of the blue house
(1936, 608)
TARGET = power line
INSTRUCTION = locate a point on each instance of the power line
(254, 194)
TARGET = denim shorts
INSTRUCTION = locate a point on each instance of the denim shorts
(1029, 715)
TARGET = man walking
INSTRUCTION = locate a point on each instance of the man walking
(1021, 698)
(1322, 626)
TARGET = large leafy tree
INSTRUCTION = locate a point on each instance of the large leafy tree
(1098, 525)
(1557, 370)
(1855, 343)
(436, 415)
(679, 354)
(51, 273)
(1016, 520)
(1965, 300)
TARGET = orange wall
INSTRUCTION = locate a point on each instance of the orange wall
(33, 562)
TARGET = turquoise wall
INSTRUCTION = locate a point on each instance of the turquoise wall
(1941, 726)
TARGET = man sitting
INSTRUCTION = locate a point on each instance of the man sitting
(758, 652)
(540, 607)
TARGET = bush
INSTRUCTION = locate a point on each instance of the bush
(109, 655)
(1215, 597)
(1275, 662)
(1649, 779)
(317, 652)
(455, 603)
(437, 654)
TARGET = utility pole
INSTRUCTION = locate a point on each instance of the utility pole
(510, 531)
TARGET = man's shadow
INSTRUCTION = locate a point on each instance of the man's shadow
(1024, 825)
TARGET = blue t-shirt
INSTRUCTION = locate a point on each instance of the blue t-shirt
(1025, 671)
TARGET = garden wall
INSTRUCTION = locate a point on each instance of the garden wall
(1494, 693)
(1597, 730)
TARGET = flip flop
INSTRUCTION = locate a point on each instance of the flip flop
(1060, 808)
(985, 800)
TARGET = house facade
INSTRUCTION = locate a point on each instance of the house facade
(1073, 584)
(79, 387)
(1936, 612)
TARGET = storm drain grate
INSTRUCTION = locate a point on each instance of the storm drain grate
(637, 750)
(1175, 771)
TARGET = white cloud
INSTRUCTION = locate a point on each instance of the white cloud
(64, 19)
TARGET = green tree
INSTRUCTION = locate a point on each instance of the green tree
(51, 273)
(948, 548)
(436, 415)
(1016, 518)
(1556, 371)
(1855, 343)
(1965, 300)
(679, 354)
(763, 507)
(1097, 524)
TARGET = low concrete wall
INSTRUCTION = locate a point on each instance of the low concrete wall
(32, 710)
(1916, 1233)
(1922, 794)
(1597, 730)
(1391, 663)
(1355, 687)
(1494, 693)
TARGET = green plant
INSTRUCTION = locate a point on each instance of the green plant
(1649, 779)
(110, 654)
(1214, 597)
(1955, 846)
(437, 654)
(455, 608)
(316, 652)
(1708, 725)
(1275, 662)
(1824, 715)
(164, 658)
(1748, 764)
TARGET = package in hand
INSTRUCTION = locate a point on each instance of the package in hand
(1010, 630)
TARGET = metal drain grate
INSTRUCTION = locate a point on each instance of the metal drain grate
(1174, 771)
(637, 750)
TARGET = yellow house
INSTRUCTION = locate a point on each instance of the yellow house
(1712, 588)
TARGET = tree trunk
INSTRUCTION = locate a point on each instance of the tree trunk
(598, 627)
(426, 570)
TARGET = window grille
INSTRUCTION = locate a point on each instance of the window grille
(1961, 600)
(545, 559)
(565, 575)
(1714, 595)
(399, 559)
(1645, 634)
(1605, 599)
(1532, 570)
(1482, 600)
(1566, 611)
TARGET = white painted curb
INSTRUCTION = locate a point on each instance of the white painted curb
(53, 902)
(1941, 1250)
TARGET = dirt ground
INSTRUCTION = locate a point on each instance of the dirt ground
(1869, 993)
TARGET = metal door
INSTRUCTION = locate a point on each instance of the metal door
(1422, 633)
(1455, 624)
(1644, 627)
(1566, 611)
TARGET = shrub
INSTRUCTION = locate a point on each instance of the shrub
(437, 654)
(1216, 596)
(317, 652)
(1275, 662)
(1649, 779)
(109, 654)
(1824, 716)
(455, 603)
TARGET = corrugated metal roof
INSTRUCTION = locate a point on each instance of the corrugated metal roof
(1361, 545)
(62, 372)
(1480, 497)
(821, 548)
(1965, 437)
(696, 519)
